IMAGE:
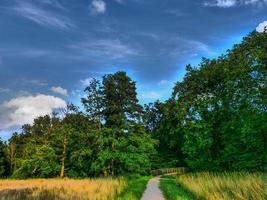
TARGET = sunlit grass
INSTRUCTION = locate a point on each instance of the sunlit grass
(225, 186)
(172, 190)
(134, 188)
(43, 189)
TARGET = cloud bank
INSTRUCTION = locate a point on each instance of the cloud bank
(98, 7)
(41, 16)
(59, 90)
(261, 27)
(23, 110)
(232, 3)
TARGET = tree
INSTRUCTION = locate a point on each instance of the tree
(93, 103)
(81, 145)
(62, 141)
(120, 100)
(152, 116)
(135, 152)
(221, 102)
(3, 160)
(42, 164)
(215, 120)
(122, 115)
(128, 153)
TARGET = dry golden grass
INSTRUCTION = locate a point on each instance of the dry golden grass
(61, 189)
(225, 186)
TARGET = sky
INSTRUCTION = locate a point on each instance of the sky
(51, 49)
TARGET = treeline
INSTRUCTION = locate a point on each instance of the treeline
(108, 139)
(216, 120)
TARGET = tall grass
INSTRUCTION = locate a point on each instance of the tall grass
(134, 189)
(172, 190)
(44, 189)
(225, 186)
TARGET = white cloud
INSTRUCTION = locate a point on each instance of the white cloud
(222, 3)
(53, 3)
(261, 27)
(103, 48)
(98, 7)
(249, 2)
(41, 16)
(23, 110)
(190, 47)
(150, 95)
(86, 82)
(59, 90)
(232, 3)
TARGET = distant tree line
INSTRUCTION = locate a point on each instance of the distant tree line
(215, 120)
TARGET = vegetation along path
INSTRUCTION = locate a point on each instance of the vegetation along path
(152, 190)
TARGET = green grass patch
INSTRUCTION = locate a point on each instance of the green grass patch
(172, 190)
(134, 189)
(225, 186)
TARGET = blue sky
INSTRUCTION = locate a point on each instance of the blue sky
(50, 49)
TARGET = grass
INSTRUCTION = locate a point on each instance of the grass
(61, 189)
(225, 186)
(134, 188)
(172, 190)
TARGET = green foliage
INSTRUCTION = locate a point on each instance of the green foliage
(216, 117)
(134, 189)
(215, 120)
(108, 140)
(135, 151)
(3, 160)
(127, 154)
(41, 164)
(120, 100)
(173, 191)
(94, 101)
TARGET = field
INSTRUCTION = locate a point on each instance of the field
(43, 189)
(134, 189)
(204, 186)
(215, 186)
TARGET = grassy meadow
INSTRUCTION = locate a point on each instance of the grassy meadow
(61, 189)
(189, 186)
(134, 188)
(215, 186)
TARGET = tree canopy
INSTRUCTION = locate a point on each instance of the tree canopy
(215, 119)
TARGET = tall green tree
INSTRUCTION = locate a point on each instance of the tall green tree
(221, 102)
(94, 101)
(3, 159)
(120, 100)
(121, 116)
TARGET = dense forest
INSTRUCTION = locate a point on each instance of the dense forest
(215, 120)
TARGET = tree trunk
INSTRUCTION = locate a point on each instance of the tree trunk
(112, 161)
(62, 170)
(34, 170)
(12, 155)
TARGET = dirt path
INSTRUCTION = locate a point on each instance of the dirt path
(152, 191)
